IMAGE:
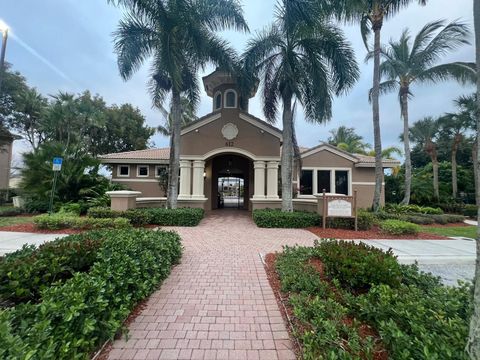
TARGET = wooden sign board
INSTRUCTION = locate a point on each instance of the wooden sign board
(338, 206)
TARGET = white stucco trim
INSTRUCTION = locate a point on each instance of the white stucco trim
(332, 180)
(256, 123)
(201, 123)
(365, 183)
(215, 100)
(229, 150)
(372, 165)
(135, 180)
(330, 149)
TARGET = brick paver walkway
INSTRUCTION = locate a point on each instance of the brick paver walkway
(217, 304)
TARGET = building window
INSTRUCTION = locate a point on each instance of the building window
(142, 170)
(323, 181)
(123, 170)
(306, 182)
(161, 171)
(218, 101)
(341, 182)
(230, 99)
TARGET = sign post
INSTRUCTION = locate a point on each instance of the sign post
(339, 206)
(57, 166)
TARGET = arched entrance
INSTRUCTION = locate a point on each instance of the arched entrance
(231, 181)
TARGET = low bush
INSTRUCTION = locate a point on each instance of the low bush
(26, 272)
(470, 211)
(412, 209)
(71, 208)
(102, 213)
(274, 218)
(68, 221)
(398, 227)
(358, 266)
(416, 325)
(365, 221)
(447, 219)
(74, 318)
(12, 211)
(138, 217)
(174, 217)
(417, 219)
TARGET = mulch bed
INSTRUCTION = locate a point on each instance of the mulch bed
(373, 234)
(287, 310)
(31, 228)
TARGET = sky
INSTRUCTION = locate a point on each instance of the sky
(67, 45)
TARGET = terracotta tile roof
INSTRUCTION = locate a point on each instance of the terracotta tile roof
(371, 159)
(147, 154)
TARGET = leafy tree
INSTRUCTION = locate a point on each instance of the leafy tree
(425, 133)
(26, 120)
(347, 139)
(179, 37)
(408, 62)
(370, 14)
(301, 57)
(387, 153)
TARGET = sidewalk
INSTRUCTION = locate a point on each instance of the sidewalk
(11, 241)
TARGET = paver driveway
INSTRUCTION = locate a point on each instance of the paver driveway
(217, 304)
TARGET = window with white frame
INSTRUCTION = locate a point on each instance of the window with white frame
(142, 170)
(161, 170)
(218, 101)
(315, 181)
(230, 99)
(123, 170)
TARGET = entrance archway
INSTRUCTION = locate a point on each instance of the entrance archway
(231, 181)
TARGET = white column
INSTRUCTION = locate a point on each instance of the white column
(272, 180)
(185, 179)
(198, 179)
(259, 188)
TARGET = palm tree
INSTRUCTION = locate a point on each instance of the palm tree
(371, 15)
(301, 57)
(179, 38)
(424, 132)
(387, 153)
(407, 63)
(346, 139)
(473, 343)
(188, 116)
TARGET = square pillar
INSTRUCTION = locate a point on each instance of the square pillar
(272, 180)
(198, 179)
(259, 176)
(185, 179)
(123, 200)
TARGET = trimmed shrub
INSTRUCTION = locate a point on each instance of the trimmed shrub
(358, 266)
(102, 213)
(175, 217)
(68, 221)
(470, 210)
(71, 208)
(26, 272)
(412, 209)
(275, 218)
(11, 212)
(137, 217)
(75, 318)
(417, 219)
(398, 227)
(447, 219)
(365, 221)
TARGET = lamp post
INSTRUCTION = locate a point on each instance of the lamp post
(4, 31)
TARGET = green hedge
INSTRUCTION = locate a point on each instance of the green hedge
(415, 316)
(470, 211)
(399, 227)
(274, 218)
(12, 211)
(27, 272)
(154, 216)
(70, 221)
(412, 209)
(76, 317)
(358, 266)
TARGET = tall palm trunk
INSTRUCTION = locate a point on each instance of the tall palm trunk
(456, 142)
(406, 145)
(475, 167)
(377, 26)
(473, 343)
(174, 167)
(287, 154)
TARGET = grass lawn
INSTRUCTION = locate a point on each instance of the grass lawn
(463, 231)
(13, 220)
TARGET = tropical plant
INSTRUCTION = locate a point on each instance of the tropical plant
(425, 133)
(301, 57)
(387, 153)
(188, 116)
(347, 139)
(407, 62)
(179, 36)
(370, 14)
(473, 343)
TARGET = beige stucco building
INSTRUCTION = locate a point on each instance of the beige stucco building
(231, 158)
(5, 159)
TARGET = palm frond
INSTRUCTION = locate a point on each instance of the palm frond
(460, 71)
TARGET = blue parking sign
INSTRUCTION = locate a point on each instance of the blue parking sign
(57, 163)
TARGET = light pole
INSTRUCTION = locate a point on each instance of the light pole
(4, 31)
